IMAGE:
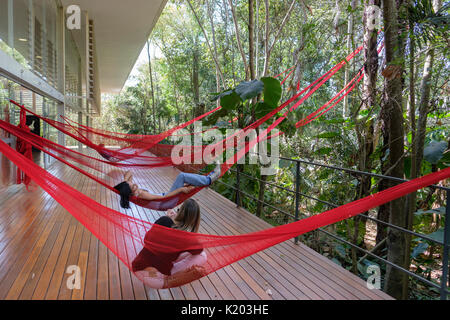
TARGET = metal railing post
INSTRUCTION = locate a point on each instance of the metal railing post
(238, 182)
(297, 195)
(443, 286)
(445, 266)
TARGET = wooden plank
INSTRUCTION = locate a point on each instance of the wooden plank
(20, 248)
(44, 239)
(44, 279)
(59, 270)
(25, 272)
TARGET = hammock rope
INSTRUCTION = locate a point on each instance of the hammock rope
(124, 235)
(169, 202)
(141, 143)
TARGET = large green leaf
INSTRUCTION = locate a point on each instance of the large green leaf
(438, 235)
(434, 151)
(324, 151)
(419, 249)
(445, 160)
(328, 135)
(261, 109)
(221, 94)
(440, 210)
(272, 91)
(249, 89)
(230, 101)
(213, 118)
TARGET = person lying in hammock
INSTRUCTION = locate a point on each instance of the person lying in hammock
(106, 154)
(161, 270)
(184, 183)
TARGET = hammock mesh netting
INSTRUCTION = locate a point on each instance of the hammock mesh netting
(125, 236)
(133, 146)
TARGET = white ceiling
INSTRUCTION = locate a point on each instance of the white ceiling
(121, 29)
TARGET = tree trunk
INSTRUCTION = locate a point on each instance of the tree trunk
(151, 86)
(257, 40)
(251, 33)
(349, 49)
(417, 134)
(238, 39)
(268, 49)
(393, 110)
(195, 81)
(383, 210)
(294, 84)
(424, 107)
(213, 53)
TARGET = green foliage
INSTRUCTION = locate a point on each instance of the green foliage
(318, 36)
(430, 26)
(434, 151)
(234, 100)
(271, 91)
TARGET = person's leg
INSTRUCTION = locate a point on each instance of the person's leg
(152, 278)
(128, 177)
(186, 260)
(192, 179)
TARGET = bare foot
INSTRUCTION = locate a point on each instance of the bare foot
(185, 276)
(128, 176)
(152, 272)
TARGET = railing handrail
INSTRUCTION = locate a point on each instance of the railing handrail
(419, 235)
(377, 175)
(446, 246)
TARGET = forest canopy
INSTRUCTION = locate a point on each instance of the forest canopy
(396, 121)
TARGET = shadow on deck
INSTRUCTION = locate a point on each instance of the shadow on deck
(39, 240)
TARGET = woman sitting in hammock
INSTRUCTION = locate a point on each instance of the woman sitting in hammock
(170, 269)
(184, 183)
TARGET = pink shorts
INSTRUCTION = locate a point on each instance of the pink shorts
(185, 261)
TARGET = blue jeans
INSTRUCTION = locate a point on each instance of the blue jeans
(192, 179)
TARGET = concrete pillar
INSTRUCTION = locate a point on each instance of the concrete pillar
(61, 66)
(11, 23)
(80, 121)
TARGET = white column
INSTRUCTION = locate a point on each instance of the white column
(11, 23)
(31, 31)
(60, 41)
(80, 121)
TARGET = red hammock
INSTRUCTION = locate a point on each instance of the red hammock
(132, 146)
(24, 148)
(124, 235)
(171, 202)
(166, 203)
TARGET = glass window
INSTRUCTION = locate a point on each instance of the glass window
(50, 42)
(73, 65)
(4, 103)
(21, 19)
(3, 22)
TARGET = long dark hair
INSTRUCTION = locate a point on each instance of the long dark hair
(188, 217)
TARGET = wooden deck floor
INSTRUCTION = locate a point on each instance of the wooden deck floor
(39, 240)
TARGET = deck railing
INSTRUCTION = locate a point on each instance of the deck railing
(442, 286)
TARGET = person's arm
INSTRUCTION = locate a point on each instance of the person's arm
(149, 196)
